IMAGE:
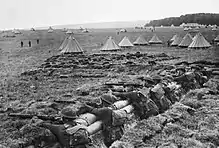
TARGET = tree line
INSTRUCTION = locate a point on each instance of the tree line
(200, 18)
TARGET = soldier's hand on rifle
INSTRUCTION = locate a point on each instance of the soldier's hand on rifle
(131, 96)
(36, 121)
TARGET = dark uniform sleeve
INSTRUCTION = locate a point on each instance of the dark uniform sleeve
(60, 132)
(104, 114)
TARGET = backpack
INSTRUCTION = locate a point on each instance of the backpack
(165, 103)
(119, 117)
(78, 135)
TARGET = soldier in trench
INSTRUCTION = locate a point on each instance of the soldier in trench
(75, 134)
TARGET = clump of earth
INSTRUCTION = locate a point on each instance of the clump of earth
(191, 122)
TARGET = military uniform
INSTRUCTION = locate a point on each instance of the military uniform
(157, 95)
(68, 136)
(71, 134)
(144, 106)
(113, 122)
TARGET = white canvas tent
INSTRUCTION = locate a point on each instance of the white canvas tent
(216, 39)
(8, 34)
(214, 28)
(32, 29)
(122, 30)
(72, 46)
(186, 29)
(69, 32)
(125, 42)
(16, 31)
(199, 42)
(110, 45)
(155, 40)
(140, 41)
(186, 41)
(173, 38)
(85, 31)
(64, 43)
(176, 41)
(50, 30)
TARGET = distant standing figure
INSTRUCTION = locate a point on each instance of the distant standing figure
(38, 41)
(22, 43)
(29, 43)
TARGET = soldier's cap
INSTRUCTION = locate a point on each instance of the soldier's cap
(195, 67)
(68, 113)
(110, 99)
(189, 75)
(181, 68)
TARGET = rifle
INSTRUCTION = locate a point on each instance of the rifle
(56, 119)
(124, 84)
(65, 101)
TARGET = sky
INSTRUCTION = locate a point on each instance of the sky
(39, 13)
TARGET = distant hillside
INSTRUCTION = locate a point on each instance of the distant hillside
(122, 24)
(201, 18)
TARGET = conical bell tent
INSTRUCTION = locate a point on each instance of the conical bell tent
(177, 41)
(173, 38)
(140, 41)
(125, 42)
(186, 41)
(216, 39)
(155, 40)
(17, 31)
(110, 45)
(199, 42)
(72, 46)
(69, 32)
(64, 43)
(50, 30)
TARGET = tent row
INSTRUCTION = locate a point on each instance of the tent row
(110, 44)
(198, 41)
(71, 45)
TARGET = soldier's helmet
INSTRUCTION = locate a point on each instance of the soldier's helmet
(181, 68)
(107, 100)
(195, 67)
(158, 89)
(68, 113)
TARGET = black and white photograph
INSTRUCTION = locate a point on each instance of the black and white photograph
(109, 74)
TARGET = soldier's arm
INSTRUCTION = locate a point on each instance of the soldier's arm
(127, 95)
(181, 78)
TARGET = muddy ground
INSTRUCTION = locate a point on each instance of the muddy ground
(32, 78)
(81, 78)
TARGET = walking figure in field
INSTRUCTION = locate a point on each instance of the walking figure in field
(38, 41)
(29, 43)
(22, 44)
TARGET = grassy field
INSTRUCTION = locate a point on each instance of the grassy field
(25, 92)
(15, 59)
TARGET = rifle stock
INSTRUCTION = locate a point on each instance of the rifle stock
(42, 117)
(65, 101)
